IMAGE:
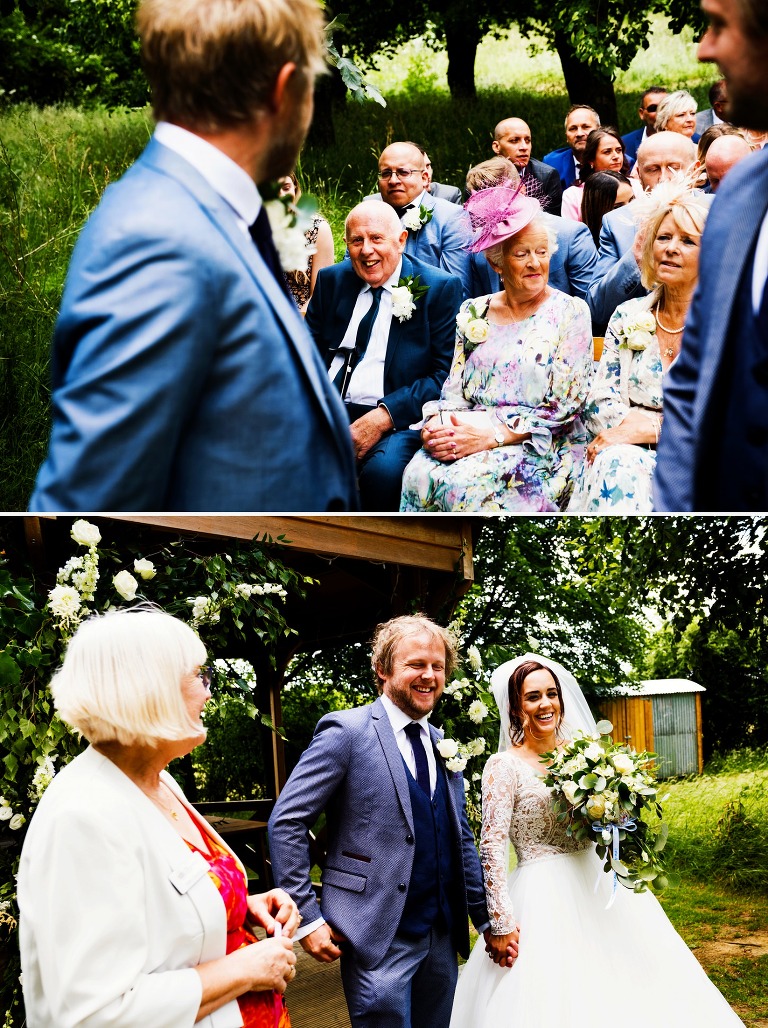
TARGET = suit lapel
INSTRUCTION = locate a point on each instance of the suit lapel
(739, 244)
(436, 736)
(383, 729)
(396, 327)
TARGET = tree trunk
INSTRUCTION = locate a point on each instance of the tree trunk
(585, 83)
(461, 42)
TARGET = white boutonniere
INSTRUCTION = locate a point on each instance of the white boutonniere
(414, 219)
(636, 331)
(404, 297)
(472, 322)
(289, 222)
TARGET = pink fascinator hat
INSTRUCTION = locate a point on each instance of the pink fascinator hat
(498, 213)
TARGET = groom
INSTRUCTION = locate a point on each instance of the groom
(401, 872)
(183, 376)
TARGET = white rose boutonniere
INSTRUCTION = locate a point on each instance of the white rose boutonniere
(636, 331)
(472, 323)
(414, 219)
(404, 296)
(289, 222)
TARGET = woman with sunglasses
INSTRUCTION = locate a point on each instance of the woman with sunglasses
(133, 910)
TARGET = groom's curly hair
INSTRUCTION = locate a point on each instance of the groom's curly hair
(212, 64)
(517, 719)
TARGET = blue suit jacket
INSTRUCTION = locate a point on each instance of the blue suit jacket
(562, 161)
(570, 267)
(632, 141)
(691, 403)
(420, 348)
(183, 377)
(615, 275)
(354, 772)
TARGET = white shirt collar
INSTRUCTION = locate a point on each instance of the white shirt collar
(399, 719)
(231, 182)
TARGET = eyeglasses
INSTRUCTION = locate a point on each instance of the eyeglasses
(205, 674)
(651, 108)
(402, 173)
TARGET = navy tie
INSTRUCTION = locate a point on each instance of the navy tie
(413, 731)
(364, 329)
(261, 234)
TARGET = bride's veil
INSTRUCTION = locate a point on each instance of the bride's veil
(577, 712)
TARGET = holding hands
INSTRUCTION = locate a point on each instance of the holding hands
(502, 949)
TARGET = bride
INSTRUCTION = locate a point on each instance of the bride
(580, 963)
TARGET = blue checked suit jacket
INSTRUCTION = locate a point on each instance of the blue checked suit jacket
(354, 772)
(183, 376)
(691, 403)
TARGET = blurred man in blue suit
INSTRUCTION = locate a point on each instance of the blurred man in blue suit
(183, 376)
(647, 114)
(713, 451)
(386, 377)
(401, 872)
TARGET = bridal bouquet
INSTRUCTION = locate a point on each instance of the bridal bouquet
(601, 790)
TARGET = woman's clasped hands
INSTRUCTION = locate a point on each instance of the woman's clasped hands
(451, 439)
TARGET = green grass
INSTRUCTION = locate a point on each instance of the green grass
(54, 164)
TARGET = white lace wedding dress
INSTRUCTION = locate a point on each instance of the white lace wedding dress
(580, 964)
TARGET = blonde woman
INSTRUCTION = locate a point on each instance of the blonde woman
(624, 408)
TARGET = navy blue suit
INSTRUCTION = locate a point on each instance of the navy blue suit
(183, 376)
(699, 390)
(417, 362)
(562, 161)
(549, 181)
(632, 141)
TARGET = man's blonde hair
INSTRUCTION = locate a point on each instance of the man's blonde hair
(212, 64)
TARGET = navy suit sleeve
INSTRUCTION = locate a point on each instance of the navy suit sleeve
(553, 187)
(443, 300)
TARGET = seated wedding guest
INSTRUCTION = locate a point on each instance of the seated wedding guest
(715, 113)
(616, 276)
(568, 160)
(571, 263)
(133, 910)
(604, 191)
(624, 409)
(706, 139)
(437, 229)
(604, 151)
(319, 237)
(724, 153)
(677, 113)
(384, 323)
(506, 434)
(649, 103)
(512, 139)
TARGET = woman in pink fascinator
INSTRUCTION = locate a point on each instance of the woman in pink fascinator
(506, 434)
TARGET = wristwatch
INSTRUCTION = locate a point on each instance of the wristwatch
(498, 431)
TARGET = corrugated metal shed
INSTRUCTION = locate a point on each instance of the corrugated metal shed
(664, 716)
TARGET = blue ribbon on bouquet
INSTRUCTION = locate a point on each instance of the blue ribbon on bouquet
(630, 825)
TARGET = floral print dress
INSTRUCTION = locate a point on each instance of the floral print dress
(533, 376)
(257, 1009)
(619, 479)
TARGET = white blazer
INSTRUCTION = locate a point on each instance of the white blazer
(115, 909)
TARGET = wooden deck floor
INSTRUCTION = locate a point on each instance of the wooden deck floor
(315, 996)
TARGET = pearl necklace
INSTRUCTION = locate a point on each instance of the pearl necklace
(670, 350)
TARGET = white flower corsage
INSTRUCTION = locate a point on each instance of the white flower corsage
(414, 219)
(404, 297)
(636, 331)
(472, 322)
(289, 222)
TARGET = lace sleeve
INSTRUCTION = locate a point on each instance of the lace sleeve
(498, 802)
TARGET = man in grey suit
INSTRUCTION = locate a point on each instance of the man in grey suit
(183, 376)
(616, 274)
(715, 113)
(713, 452)
(438, 230)
(512, 139)
(402, 872)
(571, 264)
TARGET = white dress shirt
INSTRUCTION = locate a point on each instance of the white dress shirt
(399, 720)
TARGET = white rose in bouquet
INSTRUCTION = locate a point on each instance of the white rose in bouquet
(569, 791)
(477, 331)
(447, 748)
(144, 569)
(86, 534)
(623, 763)
(125, 584)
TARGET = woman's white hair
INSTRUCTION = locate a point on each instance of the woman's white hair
(121, 677)
(672, 104)
(494, 254)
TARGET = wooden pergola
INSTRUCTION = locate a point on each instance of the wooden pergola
(367, 569)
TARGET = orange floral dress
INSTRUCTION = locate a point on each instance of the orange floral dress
(258, 1009)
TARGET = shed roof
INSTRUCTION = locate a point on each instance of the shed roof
(659, 687)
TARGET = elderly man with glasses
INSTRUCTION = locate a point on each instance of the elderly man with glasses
(647, 114)
(438, 230)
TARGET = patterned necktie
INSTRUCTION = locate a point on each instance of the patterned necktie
(413, 731)
(364, 329)
(261, 234)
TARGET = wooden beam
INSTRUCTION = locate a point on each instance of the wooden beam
(699, 735)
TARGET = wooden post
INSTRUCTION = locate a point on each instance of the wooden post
(699, 735)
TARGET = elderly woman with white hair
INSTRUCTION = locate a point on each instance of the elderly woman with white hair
(624, 409)
(506, 434)
(676, 112)
(133, 910)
